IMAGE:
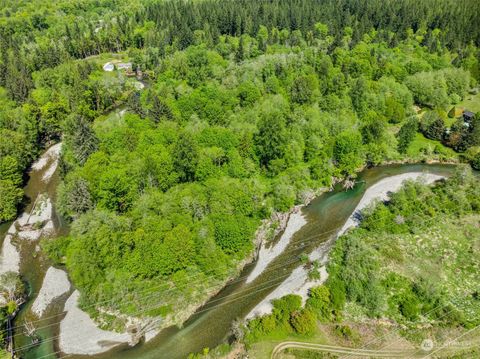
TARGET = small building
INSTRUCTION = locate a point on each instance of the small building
(124, 66)
(108, 67)
(456, 112)
(468, 116)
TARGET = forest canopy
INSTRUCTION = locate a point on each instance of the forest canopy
(231, 111)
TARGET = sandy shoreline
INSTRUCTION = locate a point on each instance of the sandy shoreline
(80, 335)
(266, 255)
(50, 157)
(9, 258)
(55, 284)
(298, 282)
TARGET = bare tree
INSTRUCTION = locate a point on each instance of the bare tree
(11, 286)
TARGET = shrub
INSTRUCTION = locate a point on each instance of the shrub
(303, 321)
(337, 293)
(344, 331)
(319, 301)
(475, 161)
(285, 306)
(409, 306)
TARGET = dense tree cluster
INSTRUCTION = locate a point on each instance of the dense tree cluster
(249, 106)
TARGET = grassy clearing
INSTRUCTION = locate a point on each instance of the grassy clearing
(264, 348)
(471, 103)
(423, 148)
(446, 254)
(103, 58)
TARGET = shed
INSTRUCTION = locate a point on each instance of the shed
(456, 111)
(124, 66)
(468, 116)
(108, 67)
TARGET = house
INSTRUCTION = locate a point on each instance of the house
(124, 66)
(108, 67)
(468, 116)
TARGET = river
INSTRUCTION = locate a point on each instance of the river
(211, 325)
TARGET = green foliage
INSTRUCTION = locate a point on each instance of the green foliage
(57, 249)
(319, 301)
(177, 251)
(418, 225)
(394, 111)
(409, 306)
(248, 93)
(233, 233)
(12, 289)
(11, 196)
(285, 306)
(428, 88)
(239, 117)
(9, 170)
(475, 162)
(80, 138)
(303, 321)
(345, 332)
(406, 134)
(74, 197)
(348, 152)
(360, 274)
(185, 157)
(116, 191)
(303, 89)
(432, 125)
(435, 89)
(271, 138)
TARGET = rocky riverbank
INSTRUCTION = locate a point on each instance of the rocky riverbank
(298, 281)
(55, 284)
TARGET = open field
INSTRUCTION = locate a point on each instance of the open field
(422, 146)
(471, 103)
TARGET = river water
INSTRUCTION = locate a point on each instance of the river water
(211, 325)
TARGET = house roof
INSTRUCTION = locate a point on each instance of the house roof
(124, 65)
(108, 67)
(468, 114)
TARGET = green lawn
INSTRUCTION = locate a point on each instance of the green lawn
(103, 58)
(422, 147)
(471, 103)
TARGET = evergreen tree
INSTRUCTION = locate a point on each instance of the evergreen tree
(160, 110)
(406, 134)
(185, 157)
(81, 138)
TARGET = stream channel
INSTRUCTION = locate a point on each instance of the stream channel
(211, 324)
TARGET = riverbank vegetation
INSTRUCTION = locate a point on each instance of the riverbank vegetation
(422, 249)
(249, 108)
(12, 296)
